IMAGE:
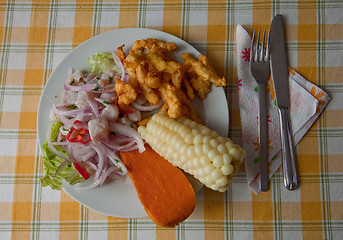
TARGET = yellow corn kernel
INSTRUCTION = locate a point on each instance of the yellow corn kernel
(195, 148)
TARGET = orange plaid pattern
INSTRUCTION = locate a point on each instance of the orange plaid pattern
(36, 35)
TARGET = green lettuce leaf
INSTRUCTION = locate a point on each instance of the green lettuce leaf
(101, 63)
(52, 162)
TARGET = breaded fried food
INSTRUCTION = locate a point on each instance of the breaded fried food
(188, 88)
(171, 96)
(149, 75)
(147, 91)
(150, 42)
(177, 77)
(135, 58)
(126, 94)
(156, 56)
(177, 103)
(203, 68)
(120, 53)
(201, 87)
(155, 74)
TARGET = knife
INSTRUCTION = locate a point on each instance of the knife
(280, 77)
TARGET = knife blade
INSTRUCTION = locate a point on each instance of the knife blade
(279, 61)
(280, 77)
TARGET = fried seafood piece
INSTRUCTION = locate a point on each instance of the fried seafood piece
(155, 74)
(150, 42)
(171, 97)
(157, 57)
(177, 77)
(120, 53)
(132, 60)
(135, 63)
(177, 104)
(201, 87)
(133, 81)
(203, 68)
(126, 93)
(191, 111)
(188, 88)
(147, 91)
(149, 75)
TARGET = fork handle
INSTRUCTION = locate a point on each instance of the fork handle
(263, 140)
(288, 161)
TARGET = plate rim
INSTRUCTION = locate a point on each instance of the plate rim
(73, 51)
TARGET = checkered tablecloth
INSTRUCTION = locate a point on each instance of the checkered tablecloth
(34, 38)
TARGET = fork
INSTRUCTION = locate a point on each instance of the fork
(260, 70)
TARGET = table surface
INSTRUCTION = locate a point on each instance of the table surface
(36, 36)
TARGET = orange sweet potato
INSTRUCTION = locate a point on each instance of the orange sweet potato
(164, 191)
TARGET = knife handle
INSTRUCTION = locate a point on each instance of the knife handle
(288, 160)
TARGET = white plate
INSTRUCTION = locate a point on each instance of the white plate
(118, 198)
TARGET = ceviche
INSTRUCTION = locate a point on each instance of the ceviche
(88, 128)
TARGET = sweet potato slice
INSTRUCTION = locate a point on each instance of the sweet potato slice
(164, 191)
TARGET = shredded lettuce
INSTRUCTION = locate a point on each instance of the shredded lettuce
(54, 130)
(101, 63)
(52, 162)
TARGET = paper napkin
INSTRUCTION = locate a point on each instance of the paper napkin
(307, 101)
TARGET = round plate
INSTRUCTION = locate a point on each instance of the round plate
(119, 198)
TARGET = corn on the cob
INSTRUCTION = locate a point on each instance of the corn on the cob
(195, 148)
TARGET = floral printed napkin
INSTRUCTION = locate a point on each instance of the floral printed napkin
(307, 103)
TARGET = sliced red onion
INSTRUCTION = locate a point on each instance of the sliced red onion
(90, 76)
(68, 123)
(94, 184)
(120, 147)
(129, 149)
(148, 107)
(93, 105)
(109, 97)
(101, 160)
(63, 111)
(115, 159)
(112, 173)
(127, 131)
(126, 121)
(110, 88)
(101, 101)
(91, 165)
(116, 144)
(58, 153)
(77, 150)
(126, 78)
(110, 112)
(80, 148)
(85, 87)
(140, 100)
(120, 65)
(88, 155)
(62, 143)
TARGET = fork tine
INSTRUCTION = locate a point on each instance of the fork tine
(267, 50)
(262, 58)
(258, 45)
(252, 55)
